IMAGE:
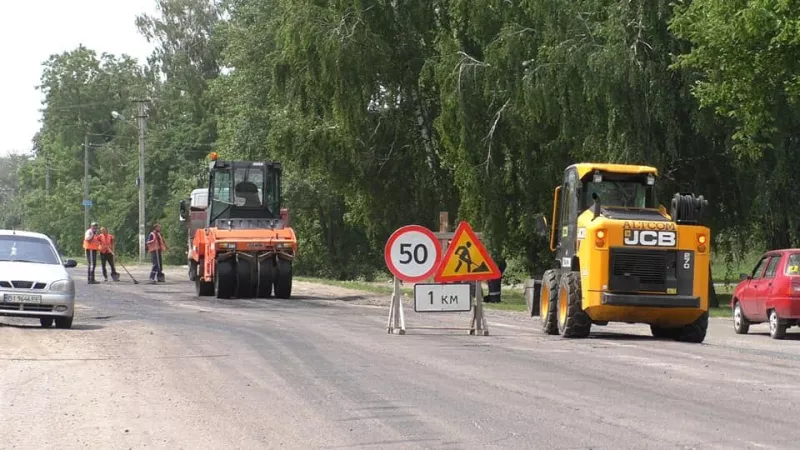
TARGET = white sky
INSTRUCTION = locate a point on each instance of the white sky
(32, 30)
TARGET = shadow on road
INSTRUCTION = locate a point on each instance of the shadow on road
(36, 326)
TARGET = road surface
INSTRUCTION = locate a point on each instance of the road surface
(155, 367)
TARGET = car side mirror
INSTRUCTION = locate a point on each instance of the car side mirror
(743, 276)
(70, 263)
(542, 229)
(183, 211)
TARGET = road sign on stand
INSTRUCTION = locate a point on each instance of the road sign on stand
(87, 203)
(466, 259)
(434, 297)
(412, 253)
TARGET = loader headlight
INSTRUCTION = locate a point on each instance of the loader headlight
(600, 238)
(226, 245)
(702, 240)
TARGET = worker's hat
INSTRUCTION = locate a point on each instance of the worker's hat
(94, 224)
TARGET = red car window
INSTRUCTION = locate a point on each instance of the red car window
(772, 267)
(793, 264)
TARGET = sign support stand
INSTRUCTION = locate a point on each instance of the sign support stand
(396, 317)
(478, 325)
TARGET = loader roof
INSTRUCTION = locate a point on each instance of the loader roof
(587, 168)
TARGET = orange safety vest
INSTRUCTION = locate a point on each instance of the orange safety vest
(93, 243)
(155, 242)
(107, 241)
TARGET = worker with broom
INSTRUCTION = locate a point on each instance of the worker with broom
(156, 246)
(107, 253)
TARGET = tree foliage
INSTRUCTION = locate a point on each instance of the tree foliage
(385, 113)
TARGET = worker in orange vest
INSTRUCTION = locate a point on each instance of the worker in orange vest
(107, 253)
(156, 246)
(91, 243)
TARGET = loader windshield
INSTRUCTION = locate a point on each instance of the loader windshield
(625, 193)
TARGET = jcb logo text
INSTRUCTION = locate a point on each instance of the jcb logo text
(650, 238)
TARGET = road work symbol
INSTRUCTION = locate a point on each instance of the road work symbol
(466, 259)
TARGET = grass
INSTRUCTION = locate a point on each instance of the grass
(513, 298)
(724, 273)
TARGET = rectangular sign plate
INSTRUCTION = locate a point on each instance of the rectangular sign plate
(434, 297)
(22, 298)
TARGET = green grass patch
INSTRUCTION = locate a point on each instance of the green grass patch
(725, 272)
(512, 299)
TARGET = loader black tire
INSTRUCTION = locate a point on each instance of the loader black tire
(283, 278)
(694, 332)
(224, 279)
(266, 271)
(663, 333)
(547, 302)
(204, 288)
(573, 322)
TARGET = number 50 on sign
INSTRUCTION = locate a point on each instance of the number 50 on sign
(412, 253)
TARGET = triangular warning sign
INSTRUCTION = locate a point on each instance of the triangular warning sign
(466, 259)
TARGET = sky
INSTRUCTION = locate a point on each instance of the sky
(32, 30)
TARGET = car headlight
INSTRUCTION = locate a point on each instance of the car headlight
(63, 286)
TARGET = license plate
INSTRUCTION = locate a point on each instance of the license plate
(22, 298)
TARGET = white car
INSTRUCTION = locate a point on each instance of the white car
(34, 282)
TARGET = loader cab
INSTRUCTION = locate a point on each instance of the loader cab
(243, 190)
(619, 191)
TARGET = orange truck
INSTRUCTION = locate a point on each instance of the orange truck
(240, 242)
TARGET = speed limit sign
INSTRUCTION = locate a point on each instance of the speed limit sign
(412, 253)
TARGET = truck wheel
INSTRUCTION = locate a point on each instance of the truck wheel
(266, 269)
(573, 322)
(283, 279)
(224, 279)
(547, 302)
(204, 288)
(740, 323)
(694, 332)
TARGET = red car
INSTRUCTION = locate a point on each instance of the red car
(771, 293)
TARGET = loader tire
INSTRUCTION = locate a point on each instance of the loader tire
(266, 270)
(224, 279)
(283, 278)
(547, 302)
(204, 288)
(573, 322)
(694, 332)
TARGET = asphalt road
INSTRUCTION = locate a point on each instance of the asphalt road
(155, 367)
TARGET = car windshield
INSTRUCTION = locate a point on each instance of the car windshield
(793, 264)
(27, 249)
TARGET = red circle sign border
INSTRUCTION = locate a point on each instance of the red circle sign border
(387, 252)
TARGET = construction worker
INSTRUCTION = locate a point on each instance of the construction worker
(91, 243)
(496, 284)
(156, 246)
(107, 253)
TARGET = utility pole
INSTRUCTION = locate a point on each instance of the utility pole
(142, 124)
(47, 177)
(85, 181)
